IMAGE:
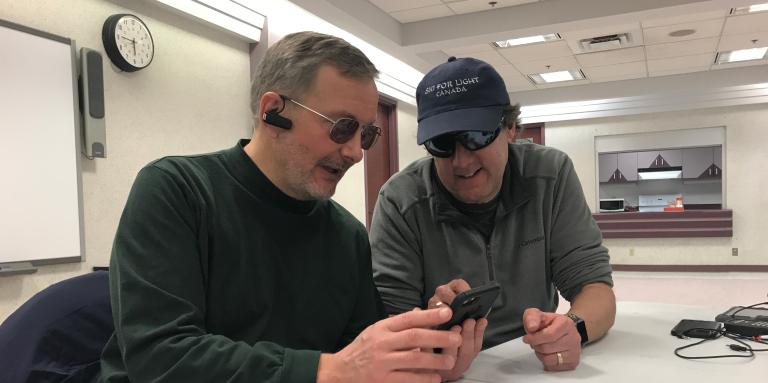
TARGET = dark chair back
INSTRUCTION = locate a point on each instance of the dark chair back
(57, 335)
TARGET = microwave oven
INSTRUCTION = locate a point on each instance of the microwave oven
(608, 205)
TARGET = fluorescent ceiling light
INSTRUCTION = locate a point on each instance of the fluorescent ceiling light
(660, 173)
(741, 55)
(750, 9)
(559, 76)
(526, 40)
(229, 15)
(396, 88)
(397, 84)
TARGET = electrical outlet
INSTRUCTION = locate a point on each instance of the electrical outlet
(735, 251)
(631, 251)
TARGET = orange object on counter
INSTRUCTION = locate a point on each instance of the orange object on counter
(674, 208)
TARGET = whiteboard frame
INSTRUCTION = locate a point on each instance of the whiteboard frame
(78, 139)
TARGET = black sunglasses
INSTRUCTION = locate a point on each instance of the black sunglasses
(444, 145)
(343, 129)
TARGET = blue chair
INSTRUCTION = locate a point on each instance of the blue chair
(57, 335)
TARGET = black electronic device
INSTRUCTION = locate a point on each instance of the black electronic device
(273, 118)
(746, 321)
(704, 329)
(472, 304)
(92, 104)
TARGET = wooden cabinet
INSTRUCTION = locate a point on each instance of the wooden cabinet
(627, 163)
(696, 161)
(617, 167)
(717, 159)
(702, 162)
(607, 163)
(659, 158)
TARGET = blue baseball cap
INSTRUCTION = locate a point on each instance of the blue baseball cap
(461, 94)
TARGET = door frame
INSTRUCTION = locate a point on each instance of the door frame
(390, 104)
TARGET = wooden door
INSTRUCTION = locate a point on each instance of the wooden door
(381, 160)
(531, 133)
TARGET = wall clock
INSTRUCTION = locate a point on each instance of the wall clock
(128, 42)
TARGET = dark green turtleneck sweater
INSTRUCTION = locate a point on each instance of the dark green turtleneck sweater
(218, 276)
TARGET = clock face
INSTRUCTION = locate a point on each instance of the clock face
(128, 42)
(134, 42)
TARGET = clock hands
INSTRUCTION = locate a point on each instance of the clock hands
(133, 42)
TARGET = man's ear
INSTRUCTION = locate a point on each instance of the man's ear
(270, 101)
(511, 132)
(270, 107)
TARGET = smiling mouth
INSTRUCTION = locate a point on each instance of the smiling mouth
(338, 172)
(468, 175)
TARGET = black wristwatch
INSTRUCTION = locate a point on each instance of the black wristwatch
(581, 327)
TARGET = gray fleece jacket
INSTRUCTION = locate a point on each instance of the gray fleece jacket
(544, 240)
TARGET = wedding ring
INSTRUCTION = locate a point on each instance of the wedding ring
(559, 358)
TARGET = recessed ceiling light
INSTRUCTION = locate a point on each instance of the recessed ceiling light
(741, 55)
(682, 32)
(526, 40)
(750, 9)
(559, 76)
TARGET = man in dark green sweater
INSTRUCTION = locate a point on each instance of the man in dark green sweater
(236, 266)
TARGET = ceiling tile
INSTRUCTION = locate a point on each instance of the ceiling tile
(468, 50)
(682, 62)
(513, 79)
(631, 76)
(418, 14)
(677, 71)
(623, 71)
(469, 6)
(390, 6)
(492, 58)
(681, 48)
(562, 84)
(616, 56)
(732, 42)
(573, 37)
(681, 19)
(539, 51)
(702, 29)
(547, 65)
(737, 25)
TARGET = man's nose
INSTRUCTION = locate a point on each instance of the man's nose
(352, 150)
(461, 156)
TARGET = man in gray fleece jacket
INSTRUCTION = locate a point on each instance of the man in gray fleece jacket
(484, 209)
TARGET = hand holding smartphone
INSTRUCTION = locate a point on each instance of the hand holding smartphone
(472, 304)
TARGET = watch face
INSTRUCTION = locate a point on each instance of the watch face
(134, 42)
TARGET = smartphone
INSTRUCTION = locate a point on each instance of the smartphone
(704, 329)
(472, 304)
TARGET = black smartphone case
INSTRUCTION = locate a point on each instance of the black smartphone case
(472, 304)
(697, 329)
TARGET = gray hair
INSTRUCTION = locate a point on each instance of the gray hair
(291, 64)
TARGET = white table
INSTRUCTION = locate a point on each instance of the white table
(637, 348)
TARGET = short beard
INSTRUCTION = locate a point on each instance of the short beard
(300, 180)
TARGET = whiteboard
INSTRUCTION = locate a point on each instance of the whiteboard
(40, 192)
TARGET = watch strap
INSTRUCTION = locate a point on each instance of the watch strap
(581, 327)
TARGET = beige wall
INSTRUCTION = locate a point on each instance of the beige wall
(746, 156)
(193, 98)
